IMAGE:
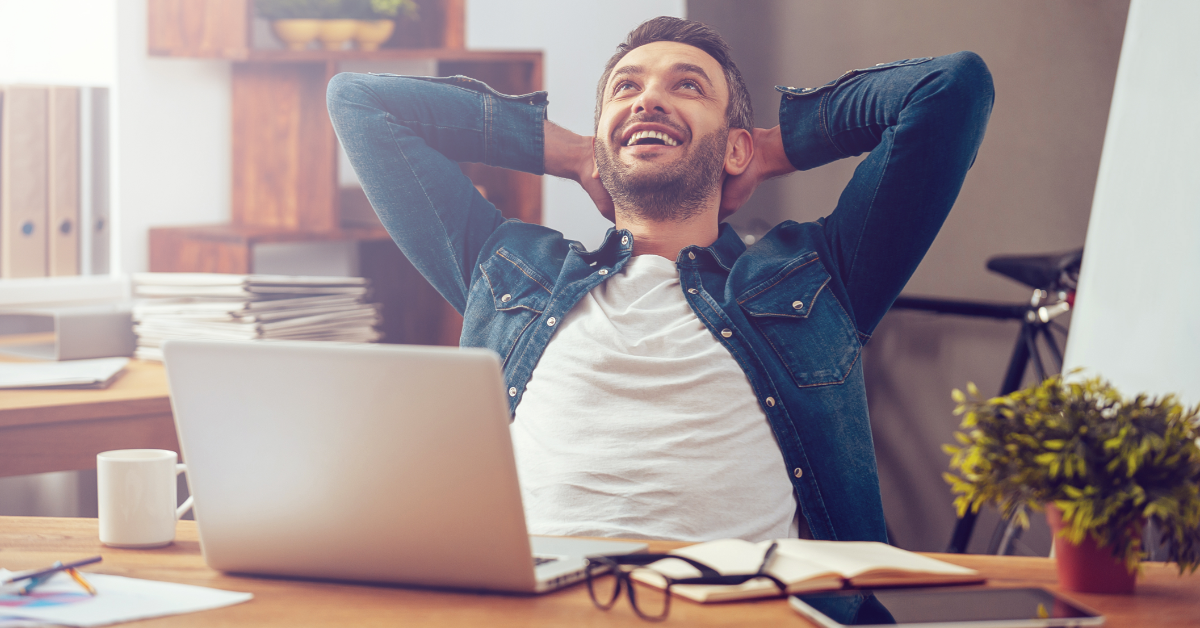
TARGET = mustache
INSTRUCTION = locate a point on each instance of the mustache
(654, 117)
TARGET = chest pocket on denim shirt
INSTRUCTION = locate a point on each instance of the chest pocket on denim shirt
(805, 324)
(519, 293)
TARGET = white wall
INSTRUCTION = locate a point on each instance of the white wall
(578, 38)
(1135, 321)
(37, 45)
(172, 140)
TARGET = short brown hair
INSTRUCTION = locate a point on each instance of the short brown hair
(738, 113)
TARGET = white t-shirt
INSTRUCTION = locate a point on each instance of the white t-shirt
(638, 423)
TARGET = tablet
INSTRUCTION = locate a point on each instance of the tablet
(944, 607)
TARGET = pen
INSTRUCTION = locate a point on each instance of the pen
(87, 586)
(55, 568)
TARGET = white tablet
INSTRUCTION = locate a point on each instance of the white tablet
(944, 607)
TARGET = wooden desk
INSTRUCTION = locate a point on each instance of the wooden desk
(1163, 600)
(63, 430)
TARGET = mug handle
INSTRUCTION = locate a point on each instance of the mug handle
(187, 503)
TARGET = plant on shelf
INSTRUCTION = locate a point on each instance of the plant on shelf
(334, 22)
(376, 19)
(335, 9)
(1103, 464)
(380, 9)
(295, 22)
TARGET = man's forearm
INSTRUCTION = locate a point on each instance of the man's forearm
(769, 149)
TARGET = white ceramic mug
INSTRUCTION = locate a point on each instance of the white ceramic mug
(137, 497)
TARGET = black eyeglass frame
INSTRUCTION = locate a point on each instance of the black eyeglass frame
(599, 565)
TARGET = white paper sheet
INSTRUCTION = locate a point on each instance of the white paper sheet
(62, 601)
(93, 373)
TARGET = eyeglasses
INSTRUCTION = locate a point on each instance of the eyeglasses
(607, 575)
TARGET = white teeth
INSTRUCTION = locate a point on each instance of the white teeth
(666, 139)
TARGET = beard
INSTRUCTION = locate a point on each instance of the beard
(671, 193)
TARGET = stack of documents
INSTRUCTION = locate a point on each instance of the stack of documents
(249, 307)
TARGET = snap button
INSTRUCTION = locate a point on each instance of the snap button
(551, 321)
(603, 271)
(726, 333)
(770, 402)
(693, 291)
(691, 255)
(506, 298)
(512, 392)
(624, 239)
(797, 305)
(798, 472)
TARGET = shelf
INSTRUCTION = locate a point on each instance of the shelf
(284, 152)
(222, 29)
(229, 248)
(385, 54)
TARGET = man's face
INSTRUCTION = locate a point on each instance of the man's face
(662, 136)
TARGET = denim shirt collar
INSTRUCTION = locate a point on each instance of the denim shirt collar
(728, 246)
(725, 250)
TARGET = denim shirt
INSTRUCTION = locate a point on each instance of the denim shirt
(781, 306)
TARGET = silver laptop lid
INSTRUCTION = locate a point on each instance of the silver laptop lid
(375, 463)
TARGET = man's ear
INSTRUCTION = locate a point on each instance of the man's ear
(738, 151)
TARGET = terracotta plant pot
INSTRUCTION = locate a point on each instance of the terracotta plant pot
(296, 33)
(372, 33)
(1086, 568)
(335, 33)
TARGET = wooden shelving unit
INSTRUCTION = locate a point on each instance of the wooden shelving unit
(285, 151)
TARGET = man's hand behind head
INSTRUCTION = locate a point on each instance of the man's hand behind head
(595, 189)
(570, 156)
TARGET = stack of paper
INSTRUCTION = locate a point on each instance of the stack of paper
(249, 307)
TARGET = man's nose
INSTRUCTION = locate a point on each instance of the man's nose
(652, 99)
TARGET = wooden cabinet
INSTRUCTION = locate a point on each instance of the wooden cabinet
(285, 179)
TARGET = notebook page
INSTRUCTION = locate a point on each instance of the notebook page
(854, 558)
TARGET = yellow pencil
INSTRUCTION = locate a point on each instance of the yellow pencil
(87, 586)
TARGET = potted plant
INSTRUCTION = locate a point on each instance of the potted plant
(334, 22)
(377, 19)
(1101, 465)
(294, 22)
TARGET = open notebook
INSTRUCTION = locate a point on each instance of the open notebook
(804, 566)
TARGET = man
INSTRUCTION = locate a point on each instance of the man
(674, 383)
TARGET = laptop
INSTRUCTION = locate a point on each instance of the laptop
(360, 462)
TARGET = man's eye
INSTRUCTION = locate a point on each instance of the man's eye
(690, 85)
(624, 86)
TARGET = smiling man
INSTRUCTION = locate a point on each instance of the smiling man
(673, 383)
